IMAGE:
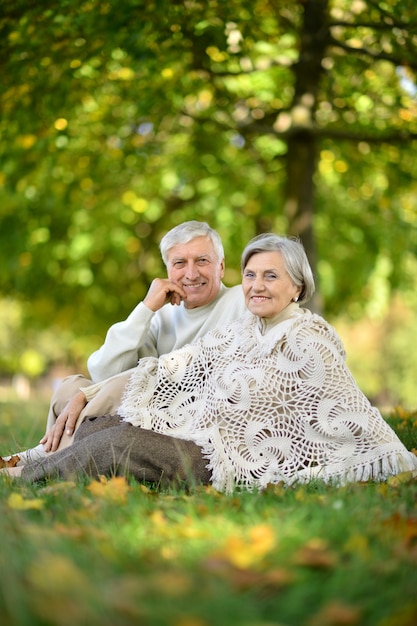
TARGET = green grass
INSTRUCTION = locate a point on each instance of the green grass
(118, 553)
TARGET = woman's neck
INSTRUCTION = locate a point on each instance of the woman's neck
(283, 315)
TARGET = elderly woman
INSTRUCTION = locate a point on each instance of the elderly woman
(266, 399)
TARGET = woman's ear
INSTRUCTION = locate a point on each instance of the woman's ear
(299, 291)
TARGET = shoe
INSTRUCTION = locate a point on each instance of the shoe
(10, 461)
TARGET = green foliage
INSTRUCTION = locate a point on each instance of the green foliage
(118, 122)
(378, 346)
(114, 552)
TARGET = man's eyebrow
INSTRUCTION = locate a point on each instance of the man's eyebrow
(183, 258)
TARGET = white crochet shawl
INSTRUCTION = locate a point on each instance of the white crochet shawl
(267, 403)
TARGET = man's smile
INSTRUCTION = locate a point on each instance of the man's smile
(194, 285)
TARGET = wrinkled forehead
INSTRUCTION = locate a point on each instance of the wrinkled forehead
(193, 249)
(262, 259)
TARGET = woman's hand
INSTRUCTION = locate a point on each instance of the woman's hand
(65, 421)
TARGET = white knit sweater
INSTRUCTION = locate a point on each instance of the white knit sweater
(151, 333)
(267, 402)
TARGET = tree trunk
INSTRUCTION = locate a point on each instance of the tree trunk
(302, 142)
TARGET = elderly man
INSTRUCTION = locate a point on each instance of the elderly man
(176, 310)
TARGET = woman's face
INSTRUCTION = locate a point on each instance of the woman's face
(267, 286)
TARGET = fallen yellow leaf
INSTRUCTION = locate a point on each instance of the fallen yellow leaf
(243, 551)
(401, 479)
(336, 614)
(262, 538)
(358, 543)
(158, 518)
(175, 584)
(114, 489)
(18, 502)
(405, 527)
(56, 573)
(56, 488)
(316, 554)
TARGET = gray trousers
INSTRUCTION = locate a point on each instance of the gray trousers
(106, 446)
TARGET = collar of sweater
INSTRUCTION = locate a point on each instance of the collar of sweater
(266, 323)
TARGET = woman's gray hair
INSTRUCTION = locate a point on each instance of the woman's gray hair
(185, 232)
(295, 259)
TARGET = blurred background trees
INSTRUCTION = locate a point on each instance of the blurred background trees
(120, 121)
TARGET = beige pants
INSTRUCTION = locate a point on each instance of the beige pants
(106, 402)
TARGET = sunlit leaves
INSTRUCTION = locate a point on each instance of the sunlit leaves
(116, 125)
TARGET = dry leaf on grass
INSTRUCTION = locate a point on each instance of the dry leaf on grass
(18, 502)
(269, 581)
(316, 554)
(112, 489)
(336, 614)
(246, 550)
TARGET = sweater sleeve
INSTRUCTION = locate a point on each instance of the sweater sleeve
(121, 346)
(91, 391)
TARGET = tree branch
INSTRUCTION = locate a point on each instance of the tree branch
(375, 56)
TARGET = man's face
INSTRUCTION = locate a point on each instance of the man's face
(195, 267)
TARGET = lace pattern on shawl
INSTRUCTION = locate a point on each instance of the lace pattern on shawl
(280, 406)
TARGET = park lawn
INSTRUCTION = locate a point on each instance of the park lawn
(116, 553)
